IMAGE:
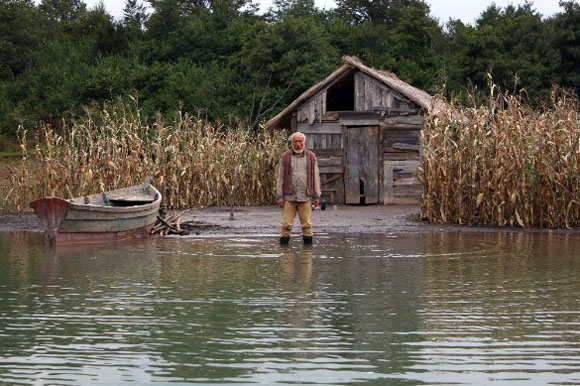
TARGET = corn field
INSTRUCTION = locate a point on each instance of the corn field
(198, 164)
(503, 164)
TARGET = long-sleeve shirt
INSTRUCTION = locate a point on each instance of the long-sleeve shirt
(299, 180)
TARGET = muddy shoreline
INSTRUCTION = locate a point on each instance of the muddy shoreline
(265, 220)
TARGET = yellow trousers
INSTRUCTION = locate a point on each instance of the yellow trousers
(304, 210)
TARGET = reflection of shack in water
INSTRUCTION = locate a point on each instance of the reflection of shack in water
(378, 289)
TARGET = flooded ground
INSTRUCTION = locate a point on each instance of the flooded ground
(430, 308)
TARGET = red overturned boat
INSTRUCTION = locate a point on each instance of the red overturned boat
(119, 214)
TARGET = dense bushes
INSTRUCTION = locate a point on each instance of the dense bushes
(223, 59)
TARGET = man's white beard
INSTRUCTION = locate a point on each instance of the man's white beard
(298, 151)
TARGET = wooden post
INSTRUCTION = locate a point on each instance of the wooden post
(163, 204)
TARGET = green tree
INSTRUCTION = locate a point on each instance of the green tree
(131, 29)
(286, 53)
(386, 12)
(212, 31)
(134, 15)
(221, 58)
(513, 45)
(21, 33)
(411, 47)
(59, 11)
(453, 69)
(98, 27)
(51, 88)
(567, 41)
(406, 47)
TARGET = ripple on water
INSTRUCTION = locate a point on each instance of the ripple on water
(397, 310)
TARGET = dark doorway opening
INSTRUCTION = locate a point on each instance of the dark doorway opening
(362, 192)
(340, 96)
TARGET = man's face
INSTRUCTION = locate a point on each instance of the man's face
(298, 144)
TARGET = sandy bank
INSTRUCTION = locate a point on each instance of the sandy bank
(266, 220)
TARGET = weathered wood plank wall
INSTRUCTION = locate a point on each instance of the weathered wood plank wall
(361, 162)
(314, 109)
(372, 95)
(400, 144)
(400, 186)
(379, 141)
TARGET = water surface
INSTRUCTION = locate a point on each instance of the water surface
(466, 309)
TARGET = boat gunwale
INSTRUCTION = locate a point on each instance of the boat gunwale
(111, 208)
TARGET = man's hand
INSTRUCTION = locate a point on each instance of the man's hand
(316, 202)
(281, 202)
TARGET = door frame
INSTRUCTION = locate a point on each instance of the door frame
(365, 160)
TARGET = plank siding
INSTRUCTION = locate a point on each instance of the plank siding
(378, 143)
(360, 122)
(400, 127)
(416, 120)
(331, 161)
(319, 128)
(317, 142)
(332, 188)
(330, 169)
(320, 153)
(359, 93)
(391, 156)
(371, 94)
(390, 137)
(313, 110)
(337, 141)
(400, 186)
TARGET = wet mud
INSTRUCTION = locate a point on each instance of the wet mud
(372, 219)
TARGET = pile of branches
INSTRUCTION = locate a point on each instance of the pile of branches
(174, 225)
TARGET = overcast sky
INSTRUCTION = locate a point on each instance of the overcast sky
(466, 10)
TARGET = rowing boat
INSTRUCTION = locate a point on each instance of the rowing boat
(118, 214)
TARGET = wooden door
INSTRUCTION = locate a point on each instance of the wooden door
(361, 164)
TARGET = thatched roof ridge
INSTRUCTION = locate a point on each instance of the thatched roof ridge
(420, 97)
(416, 95)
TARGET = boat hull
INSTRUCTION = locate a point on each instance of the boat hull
(71, 221)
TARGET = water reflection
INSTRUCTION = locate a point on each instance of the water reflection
(410, 309)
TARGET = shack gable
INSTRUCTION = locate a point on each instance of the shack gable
(372, 95)
(354, 91)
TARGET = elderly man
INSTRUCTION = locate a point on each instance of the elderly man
(298, 186)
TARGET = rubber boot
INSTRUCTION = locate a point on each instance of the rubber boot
(284, 240)
(307, 240)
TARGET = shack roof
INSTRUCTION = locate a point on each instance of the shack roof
(418, 96)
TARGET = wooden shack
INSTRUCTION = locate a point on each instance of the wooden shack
(364, 125)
